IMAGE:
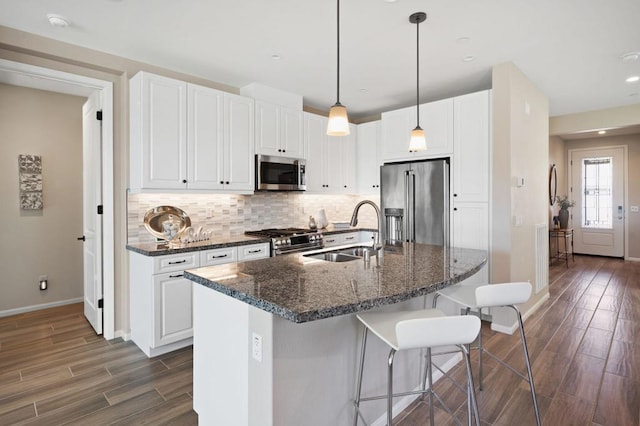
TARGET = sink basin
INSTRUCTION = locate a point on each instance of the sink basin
(343, 255)
(333, 257)
(357, 251)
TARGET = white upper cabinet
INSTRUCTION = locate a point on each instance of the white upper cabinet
(368, 158)
(331, 160)
(158, 132)
(205, 137)
(185, 136)
(471, 147)
(238, 143)
(436, 118)
(279, 131)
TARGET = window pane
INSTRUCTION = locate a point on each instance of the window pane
(597, 199)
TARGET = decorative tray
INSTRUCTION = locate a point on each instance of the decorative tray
(157, 216)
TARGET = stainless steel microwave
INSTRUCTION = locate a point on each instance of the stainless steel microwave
(280, 174)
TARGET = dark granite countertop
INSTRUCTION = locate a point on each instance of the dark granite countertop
(161, 249)
(302, 289)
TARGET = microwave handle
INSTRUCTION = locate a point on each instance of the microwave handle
(301, 172)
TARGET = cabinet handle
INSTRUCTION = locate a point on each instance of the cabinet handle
(345, 186)
(255, 251)
(349, 238)
(226, 183)
(279, 150)
(455, 195)
(455, 209)
(178, 262)
(176, 276)
(221, 256)
(221, 182)
(284, 150)
(184, 181)
(330, 241)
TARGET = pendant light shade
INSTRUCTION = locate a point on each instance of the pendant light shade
(418, 141)
(338, 120)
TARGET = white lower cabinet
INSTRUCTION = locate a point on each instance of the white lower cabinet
(333, 240)
(161, 298)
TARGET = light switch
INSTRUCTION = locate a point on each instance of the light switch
(256, 345)
(634, 209)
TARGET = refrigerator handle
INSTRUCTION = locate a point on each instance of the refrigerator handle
(407, 215)
(410, 205)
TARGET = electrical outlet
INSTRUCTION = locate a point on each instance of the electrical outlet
(634, 209)
(256, 345)
(208, 213)
(42, 282)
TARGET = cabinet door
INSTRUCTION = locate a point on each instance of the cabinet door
(205, 137)
(218, 256)
(396, 129)
(291, 133)
(471, 147)
(368, 158)
(348, 162)
(172, 308)
(238, 143)
(334, 170)
(470, 225)
(267, 129)
(254, 252)
(315, 128)
(436, 118)
(164, 132)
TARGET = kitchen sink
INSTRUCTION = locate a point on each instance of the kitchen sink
(357, 251)
(333, 257)
(343, 255)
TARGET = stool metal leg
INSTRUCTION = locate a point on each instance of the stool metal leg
(472, 402)
(390, 388)
(356, 401)
(528, 362)
(430, 377)
(480, 352)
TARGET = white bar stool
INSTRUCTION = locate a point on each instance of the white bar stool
(426, 328)
(495, 295)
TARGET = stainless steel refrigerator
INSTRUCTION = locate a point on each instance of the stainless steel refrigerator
(414, 200)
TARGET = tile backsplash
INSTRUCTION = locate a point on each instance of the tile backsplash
(229, 214)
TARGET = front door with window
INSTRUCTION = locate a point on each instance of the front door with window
(597, 187)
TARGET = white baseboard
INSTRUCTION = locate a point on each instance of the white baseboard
(632, 259)
(512, 328)
(403, 403)
(15, 311)
(125, 336)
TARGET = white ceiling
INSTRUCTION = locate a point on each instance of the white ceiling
(571, 49)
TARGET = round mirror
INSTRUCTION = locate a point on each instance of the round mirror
(553, 184)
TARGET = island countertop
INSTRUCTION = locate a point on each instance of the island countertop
(302, 289)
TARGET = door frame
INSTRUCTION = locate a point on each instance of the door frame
(625, 177)
(62, 82)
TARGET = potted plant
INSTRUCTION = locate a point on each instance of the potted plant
(563, 214)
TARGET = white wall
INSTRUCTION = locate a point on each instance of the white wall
(41, 242)
(520, 150)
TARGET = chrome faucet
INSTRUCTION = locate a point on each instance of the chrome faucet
(354, 220)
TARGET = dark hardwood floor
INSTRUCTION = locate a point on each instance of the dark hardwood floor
(584, 344)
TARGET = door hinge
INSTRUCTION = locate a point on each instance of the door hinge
(99, 115)
(100, 209)
(100, 303)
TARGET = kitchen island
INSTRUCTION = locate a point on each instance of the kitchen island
(276, 341)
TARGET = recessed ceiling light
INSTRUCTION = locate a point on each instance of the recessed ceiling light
(633, 94)
(390, 1)
(632, 79)
(363, 90)
(630, 57)
(602, 132)
(463, 40)
(276, 57)
(469, 58)
(57, 20)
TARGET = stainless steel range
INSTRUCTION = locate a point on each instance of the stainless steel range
(290, 240)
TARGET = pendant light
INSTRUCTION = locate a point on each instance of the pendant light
(338, 121)
(418, 141)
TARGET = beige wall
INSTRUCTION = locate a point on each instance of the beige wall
(520, 150)
(592, 120)
(632, 142)
(41, 242)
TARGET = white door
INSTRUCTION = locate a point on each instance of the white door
(91, 220)
(597, 187)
